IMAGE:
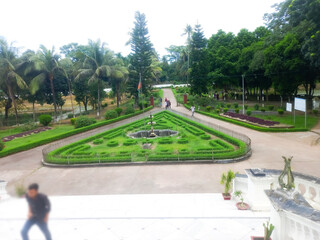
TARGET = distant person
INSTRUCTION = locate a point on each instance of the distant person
(193, 108)
(166, 105)
(169, 104)
(160, 102)
(39, 208)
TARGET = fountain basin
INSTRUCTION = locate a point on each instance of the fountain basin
(158, 133)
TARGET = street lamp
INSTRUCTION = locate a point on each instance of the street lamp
(243, 93)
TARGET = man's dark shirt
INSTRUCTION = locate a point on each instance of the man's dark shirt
(40, 206)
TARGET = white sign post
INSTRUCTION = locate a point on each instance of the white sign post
(289, 107)
(300, 104)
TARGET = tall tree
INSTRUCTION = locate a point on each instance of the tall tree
(188, 31)
(95, 66)
(140, 57)
(199, 62)
(46, 62)
(10, 80)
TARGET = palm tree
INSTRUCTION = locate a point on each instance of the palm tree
(45, 62)
(10, 79)
(119, 74)
(188, 31)
(95, 65)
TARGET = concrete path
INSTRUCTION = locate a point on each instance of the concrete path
(25, 167)
(137, 217)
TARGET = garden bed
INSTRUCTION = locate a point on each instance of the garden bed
(24, 134)
(116, 145)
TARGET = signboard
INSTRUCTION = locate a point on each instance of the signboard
(289, 107)
(300, 104)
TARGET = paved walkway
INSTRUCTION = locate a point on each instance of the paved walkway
(26, 167)
(137, 217)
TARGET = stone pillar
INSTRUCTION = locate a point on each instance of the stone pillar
(151, 101)
(185, 98)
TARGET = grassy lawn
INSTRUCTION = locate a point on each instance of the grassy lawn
(57, 130)
(191, 142)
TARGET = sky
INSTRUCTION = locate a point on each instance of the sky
(30, 23)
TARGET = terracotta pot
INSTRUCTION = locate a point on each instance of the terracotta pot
(226, 196)
(243, 206)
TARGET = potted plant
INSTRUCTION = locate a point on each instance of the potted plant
(268, 229)
(226, 180)
(241, 205)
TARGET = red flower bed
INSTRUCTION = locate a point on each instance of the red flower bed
(23, 134)
(252, 119)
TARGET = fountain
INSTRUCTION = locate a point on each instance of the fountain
(153, 133)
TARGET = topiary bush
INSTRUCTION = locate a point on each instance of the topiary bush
(70, 115)
(73, 121)
(236, 110)
(248, 112)
(225, 110)
(208, 108)
(256, 107)
(228, 105)
(45, 119)
(270, 107)
(129, 142)
(315, 111)
(218, 111)
(245, 107)
(166, 141)
(98, 141)
(2, 146)
(236, 105)
(262, 109)
(205, 137)
(84, 121)
(119, 111)
(129, 110)
(182, 141)
(280, 111)
(112, 143)
(111, 114)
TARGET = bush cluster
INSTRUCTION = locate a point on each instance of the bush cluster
(98, 141)
(84, 121)
(182, 141)
(129, 110)
(129, 142)
(111, 114)
(119, 111)
(280, 111)
(45, 119)
(112, 143)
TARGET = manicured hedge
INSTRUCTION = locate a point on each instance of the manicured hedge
(8, 151)
(247, 125)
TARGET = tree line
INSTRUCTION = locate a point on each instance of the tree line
(284, 54)
(46, 75)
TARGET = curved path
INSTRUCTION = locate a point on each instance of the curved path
(267, 149)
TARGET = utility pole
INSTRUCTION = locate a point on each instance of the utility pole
(243, 93)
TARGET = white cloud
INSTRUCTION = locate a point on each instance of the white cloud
(34, 22)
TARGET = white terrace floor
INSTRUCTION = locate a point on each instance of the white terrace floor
(137, 217)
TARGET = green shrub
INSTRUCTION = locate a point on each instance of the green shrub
(129, 110)
(256, 107)
(182, 141)
(236, 105)
(315, 111)
(111, 114)
(73, 121)
(245, 107)
(280, 111)
(236, 110)
(129, 142)
(2, 146)
(228, 105)
(70, 115)
(112, 102)
(208, 108)
(112, 143)
(119, 111)
(183, 151)
(98, 141)
(45, 119)
(248, 112)
(218, 111)
(84, 121)
(166, 141)
(104, 105)
(29, 126)
(262, 109)
(205, 137)
(270, 107)
(225, 110)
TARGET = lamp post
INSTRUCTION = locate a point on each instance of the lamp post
(242, 93)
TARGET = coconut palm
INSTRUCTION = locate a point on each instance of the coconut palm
(188, 31)
(46, 62)
(118, 76)
(95, 65)
(9, 78)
